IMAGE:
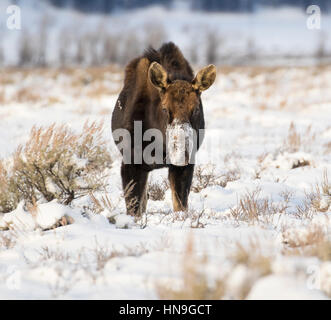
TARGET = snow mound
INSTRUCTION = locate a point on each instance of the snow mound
(44, 216)
(294, 290)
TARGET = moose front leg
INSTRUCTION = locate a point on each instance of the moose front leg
(134, 180)
(180, 179)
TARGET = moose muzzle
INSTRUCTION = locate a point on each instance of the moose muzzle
(179, 142)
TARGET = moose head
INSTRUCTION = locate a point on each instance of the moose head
(180, 101)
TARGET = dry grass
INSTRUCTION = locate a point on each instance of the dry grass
(27, 95)
(327, 148)
(2, 96)
(317, 200)
(305, 210)
(325, 185)
(7, 240)
(312, 241)
(205, 176)
(252, 208)
(308, 236)
(104, 254)
(156, 191)
(56, 163)
(100, 90)
(53, 100)
(295, 141)
(102, 203)
(249, 257)
(36, 85)
(9, 196)
(192, 216)
(194, 280)
(64, 221)
(68, 267)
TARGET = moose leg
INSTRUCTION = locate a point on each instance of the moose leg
(180, 179)
(134, 180)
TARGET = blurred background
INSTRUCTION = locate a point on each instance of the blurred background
(224, 32)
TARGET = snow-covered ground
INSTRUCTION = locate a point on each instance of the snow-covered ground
(273, 133)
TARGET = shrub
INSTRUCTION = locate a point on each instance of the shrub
(7, 240)
(251, 207)
(206, 177)
(8, 192)
(156, 191)
(251, 256)
(56, 163)
(26, 50)
(194, 284)
(317, 200)
(295, 141)
(247, 265)
(312, 241)
(213, 41)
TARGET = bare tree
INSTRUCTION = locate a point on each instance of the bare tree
(130, 48)
(155, 35)
(110, 49)
(251, 50)
(26, 51)
(64, 43)
(80, 55)
(2, 56)
(92, 41)
(42, 45)
(193, 51)
(212, 39)
(321, 50)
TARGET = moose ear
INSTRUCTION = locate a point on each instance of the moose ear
(158, 75)
(204, 78)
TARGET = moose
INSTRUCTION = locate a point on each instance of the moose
(160, 92)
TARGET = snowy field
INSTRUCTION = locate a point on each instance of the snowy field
(259, 219)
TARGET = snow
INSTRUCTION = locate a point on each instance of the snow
(44, 216)
(18, 218)
(294, 290)
(247, 122)
(123, 221)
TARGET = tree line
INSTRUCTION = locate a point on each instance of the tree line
(109, 6)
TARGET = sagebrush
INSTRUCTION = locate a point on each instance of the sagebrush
(55, 163)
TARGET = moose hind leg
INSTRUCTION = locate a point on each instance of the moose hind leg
(134, 180)
(180, 179)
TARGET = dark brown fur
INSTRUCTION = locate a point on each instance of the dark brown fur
(141, 100)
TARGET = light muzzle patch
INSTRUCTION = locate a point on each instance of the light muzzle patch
(179, 143)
